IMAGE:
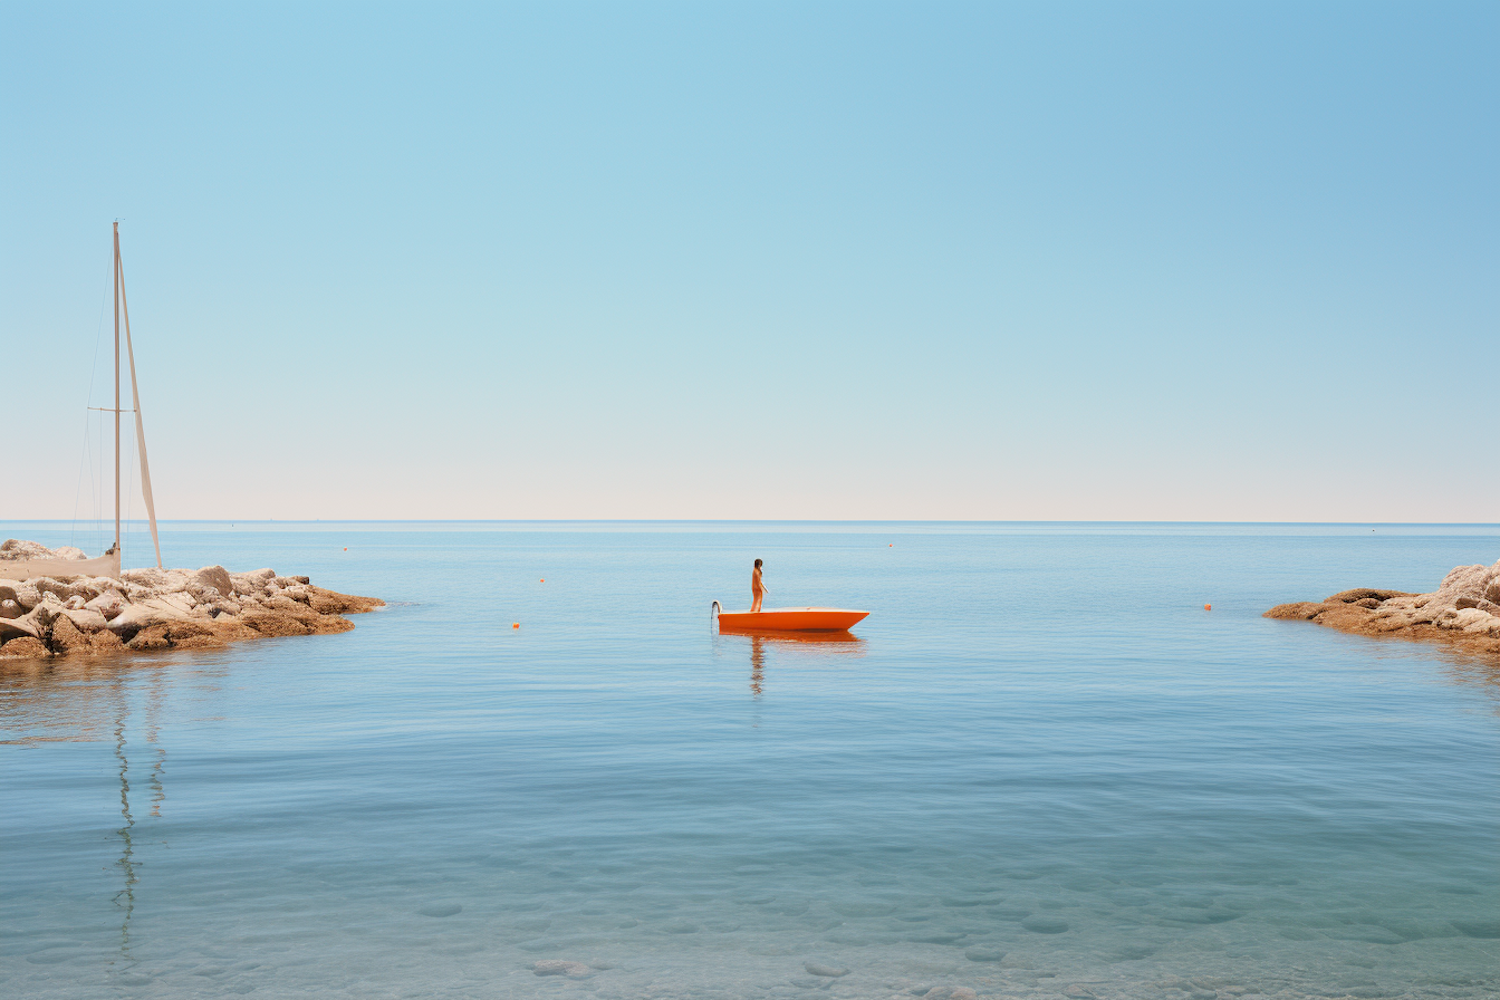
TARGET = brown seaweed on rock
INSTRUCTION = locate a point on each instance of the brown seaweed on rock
(1464, 612)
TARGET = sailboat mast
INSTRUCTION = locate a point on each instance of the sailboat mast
(117, 387)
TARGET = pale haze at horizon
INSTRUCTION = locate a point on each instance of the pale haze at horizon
(1152, 262)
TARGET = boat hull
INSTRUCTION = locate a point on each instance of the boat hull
(60, 569)
(791, 620)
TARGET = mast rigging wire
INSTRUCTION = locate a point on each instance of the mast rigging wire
(87, 452)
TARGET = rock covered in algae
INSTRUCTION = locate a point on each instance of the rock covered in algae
(1463, 612)
(149, 609)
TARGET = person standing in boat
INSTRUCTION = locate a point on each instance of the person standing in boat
(757, 587)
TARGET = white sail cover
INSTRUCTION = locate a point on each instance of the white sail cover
(58, 569)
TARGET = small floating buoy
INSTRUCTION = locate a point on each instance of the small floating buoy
(544, 579)
(346, 548)
(1208, 607)
(516, 625)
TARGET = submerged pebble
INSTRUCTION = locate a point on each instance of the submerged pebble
(942, 937)
(811, 982)
(1478, 928)
(1010, 912)
(1197, 916)
(533, 926)
(560, 967)
(819, 969)
(1045, 925)
(864, 909)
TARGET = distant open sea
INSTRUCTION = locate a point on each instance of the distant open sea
(1041, 770)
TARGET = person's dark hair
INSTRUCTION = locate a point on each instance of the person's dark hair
(757, 564)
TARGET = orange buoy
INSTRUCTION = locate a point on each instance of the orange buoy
(1208, 607)
(516, 625)
(346, 548)
(544, 579)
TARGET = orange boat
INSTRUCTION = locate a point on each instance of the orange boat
(788, 619)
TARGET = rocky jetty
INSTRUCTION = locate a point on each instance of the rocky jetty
(1463, 612)
(149, 609)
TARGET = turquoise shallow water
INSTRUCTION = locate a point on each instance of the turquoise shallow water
(1042, 770)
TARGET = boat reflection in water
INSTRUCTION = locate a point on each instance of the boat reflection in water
(791, 644)
(87, 700)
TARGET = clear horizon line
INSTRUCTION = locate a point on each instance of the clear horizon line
(711, 520)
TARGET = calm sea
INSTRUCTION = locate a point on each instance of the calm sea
(1041, 769)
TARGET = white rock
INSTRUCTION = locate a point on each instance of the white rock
(27, 596)
(25, 625)
(152, 611)
(1472, 620)
(253, 582)
(216, 577)
(180, 600)
(108, 604)
(16, 549)
(86, 619)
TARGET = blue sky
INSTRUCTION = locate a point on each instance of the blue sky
(1043, 261)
